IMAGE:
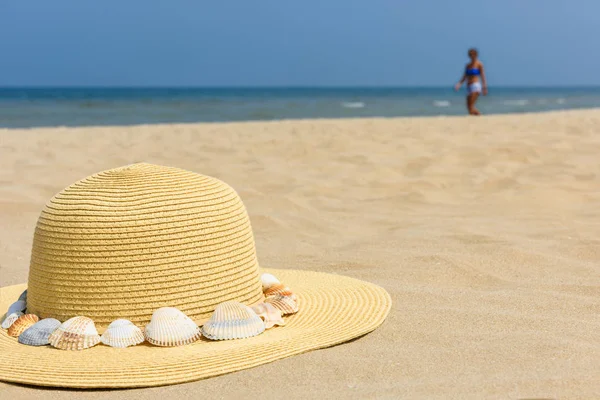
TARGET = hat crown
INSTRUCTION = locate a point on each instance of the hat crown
(127, 241)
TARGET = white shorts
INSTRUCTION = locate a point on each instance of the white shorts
(474, 87)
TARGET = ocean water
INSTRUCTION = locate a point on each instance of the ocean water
(34, 107)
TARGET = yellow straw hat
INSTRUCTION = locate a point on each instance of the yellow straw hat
(125, 242)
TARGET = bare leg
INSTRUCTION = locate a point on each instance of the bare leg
(471, 99)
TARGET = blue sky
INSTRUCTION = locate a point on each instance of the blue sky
(300, 43)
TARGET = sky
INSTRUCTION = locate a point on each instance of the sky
(297, 43)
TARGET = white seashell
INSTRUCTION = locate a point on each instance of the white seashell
(38, 333)
(268, 280)
(21, 324)
(286, 304)
(17, 306)
(10, 319)
(269, 314)
(23, 296)
(171, 327)
(77, 333)
(233, 320)
(122, 333)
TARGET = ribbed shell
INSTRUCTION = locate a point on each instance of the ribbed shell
(17, 306)
(10, 319)
(233, 320)
(22, 323)
(38, 333)
(268, 280)
(286, 304)
(77, 333)
(269, 314)
(122, 333)
(171, 327)
(280, 290)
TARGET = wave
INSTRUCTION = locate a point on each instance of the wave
(561, 101)
(356, 104)
(441, 103)
(519, 102)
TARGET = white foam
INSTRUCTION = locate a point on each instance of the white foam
(561, 101)
(441, 103)
(519, 102)
(356, 104)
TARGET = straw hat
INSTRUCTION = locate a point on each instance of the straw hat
(125, 242)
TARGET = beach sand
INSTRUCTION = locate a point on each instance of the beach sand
(485, 231)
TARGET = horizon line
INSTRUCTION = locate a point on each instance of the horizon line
(583, 86)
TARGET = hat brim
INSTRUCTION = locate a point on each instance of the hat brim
(333, 310)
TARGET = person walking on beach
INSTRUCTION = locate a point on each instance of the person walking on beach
(476, 83)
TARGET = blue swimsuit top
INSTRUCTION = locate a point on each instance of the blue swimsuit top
(472, 72)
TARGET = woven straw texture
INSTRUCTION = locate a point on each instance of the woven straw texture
(124, 242)
(333, 309)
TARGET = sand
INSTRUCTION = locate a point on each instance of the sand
(485, 231)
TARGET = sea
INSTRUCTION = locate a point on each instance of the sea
(45, 107)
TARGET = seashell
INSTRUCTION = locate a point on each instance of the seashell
(268, 280)
(279, 289)
(285, 304)
(233, 320)
(38, 333)
(17, 306)
(23, 296)
(22, 323)
(269, 314)
(77, 333)
(171, 327)
(10, 319)
(122, 333)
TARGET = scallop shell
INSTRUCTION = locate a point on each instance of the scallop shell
(122, 333)
(233, 320)
(171, 327)
(23, 296)
(22, 323)
(17, 306)
(279, 289)
(10, 319)
(269, 314)
(286, 304)
(38, 333)
(268, 280)
(77, 333)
